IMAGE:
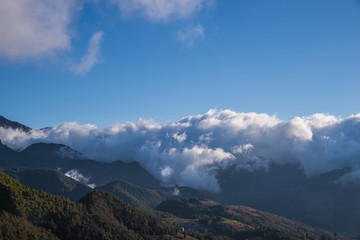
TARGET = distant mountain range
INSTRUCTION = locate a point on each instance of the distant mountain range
(65, 159)
(321, 201)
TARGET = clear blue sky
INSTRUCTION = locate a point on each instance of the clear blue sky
(290, 58)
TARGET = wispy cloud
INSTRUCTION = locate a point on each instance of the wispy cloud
(76, 175)
(92, 56)
(34, 28)
(191, 34)
(162, 10)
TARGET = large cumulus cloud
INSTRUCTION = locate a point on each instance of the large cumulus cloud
(189, 151)
(33, 28)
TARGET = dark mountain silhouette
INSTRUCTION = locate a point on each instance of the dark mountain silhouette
(145, 197)
(322, 201)
(135, 195)
(7, 155)
(6, 123)
(101, 173)
(49, 152)
(188, 192)
(62, 157)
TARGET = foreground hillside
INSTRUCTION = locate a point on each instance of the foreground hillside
(31, 214)
(50, 181)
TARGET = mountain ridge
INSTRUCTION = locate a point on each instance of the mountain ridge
(50, 155)
(6, 123)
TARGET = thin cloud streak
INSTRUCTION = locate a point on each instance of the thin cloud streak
(162, 10)
(92, 56)
(191, 34)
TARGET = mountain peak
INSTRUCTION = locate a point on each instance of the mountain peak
(6, 123)
(52, 149)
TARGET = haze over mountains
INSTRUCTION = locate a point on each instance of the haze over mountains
(235, 158)
(190, 151)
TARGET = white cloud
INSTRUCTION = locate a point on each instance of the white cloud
(176, 192)
(167, 171)
(160, 10)
(179, 137)
(191, 34)
(76, 175)
(34, 28)
(92, 56)
(191, 150)
(245, 148)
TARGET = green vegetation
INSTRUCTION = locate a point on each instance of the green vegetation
(50, 181)
(26, 213)
(99, 215)
(236, 222)
(15, 227)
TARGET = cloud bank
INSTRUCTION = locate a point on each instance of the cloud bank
(34, 28)
(191, 150)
